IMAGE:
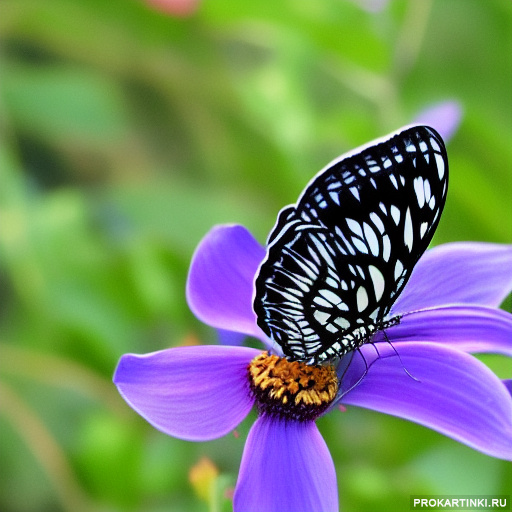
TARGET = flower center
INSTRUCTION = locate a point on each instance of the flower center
(291, 389)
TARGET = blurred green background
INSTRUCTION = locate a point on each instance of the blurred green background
(127, 132)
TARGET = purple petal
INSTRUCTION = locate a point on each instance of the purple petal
(444, 117)
(195, 393)
(286, 467)
(467, 328)
(230, 337)
(458, 273)
(441, 388)
(220, 280)
(508, 385)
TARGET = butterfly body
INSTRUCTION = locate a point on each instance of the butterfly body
(338, 259)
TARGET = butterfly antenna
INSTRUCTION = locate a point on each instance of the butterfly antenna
(398, 355)
(365, 373)
(348, 356)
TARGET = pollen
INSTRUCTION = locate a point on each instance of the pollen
(291, 389)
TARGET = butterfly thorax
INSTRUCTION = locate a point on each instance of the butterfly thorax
(348, 342)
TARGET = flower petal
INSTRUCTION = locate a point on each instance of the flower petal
(220, 280)
(467, 328)
(286, 467)
(458, 273)
(195, 393)
(230, 337)
(441, 388)
(444, 117)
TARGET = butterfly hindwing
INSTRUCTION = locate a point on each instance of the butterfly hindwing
(338, 259)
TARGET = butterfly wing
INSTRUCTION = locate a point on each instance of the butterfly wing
(338, 259)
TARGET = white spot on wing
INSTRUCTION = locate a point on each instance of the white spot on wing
(355, 227)
(319, 301)
(378, 281)
(355, 192)
(360, 245)
(426, 186)
(331, 282)
(371, 238)
(440, 165)
(378, 223)
(321, 316)
(434, 144)
(398, 269)
(408, 234)
(322, 249)
(330, 296)
(289, 297)
(395, 213)
(420, 191)
(386, 251)
(362, 298)
(345, 241)
(342, 322)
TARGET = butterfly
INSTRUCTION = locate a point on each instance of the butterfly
(339, 257)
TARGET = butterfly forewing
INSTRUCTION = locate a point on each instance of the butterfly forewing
(337, 260)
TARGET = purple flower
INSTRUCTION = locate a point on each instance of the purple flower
(420, 371)
(445, 117)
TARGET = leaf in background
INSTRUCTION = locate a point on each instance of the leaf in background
(64, 104)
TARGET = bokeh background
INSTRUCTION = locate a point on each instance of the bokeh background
(128, 130)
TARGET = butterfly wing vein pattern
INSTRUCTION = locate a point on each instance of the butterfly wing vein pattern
(338, 259)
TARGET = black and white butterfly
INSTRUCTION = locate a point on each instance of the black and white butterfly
(338, 259)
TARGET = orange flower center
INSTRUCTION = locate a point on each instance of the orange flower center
(291, 389)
